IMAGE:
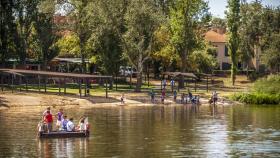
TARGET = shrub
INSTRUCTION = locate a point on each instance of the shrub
(257, 98)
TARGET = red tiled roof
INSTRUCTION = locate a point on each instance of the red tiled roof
(213, 36)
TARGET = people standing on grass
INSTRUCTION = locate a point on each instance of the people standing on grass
(172, 84)
(164, 83)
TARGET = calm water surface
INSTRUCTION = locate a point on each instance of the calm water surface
(158, 131)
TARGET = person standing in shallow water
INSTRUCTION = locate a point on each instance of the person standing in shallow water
(162, 96)
(175, 95)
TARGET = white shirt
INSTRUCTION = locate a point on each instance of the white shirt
(82, 127)
(70, 126)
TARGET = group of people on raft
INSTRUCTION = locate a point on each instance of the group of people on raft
(62, 123)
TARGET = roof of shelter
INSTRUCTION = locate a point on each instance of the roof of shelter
(213, 36)
(175, 74)
(55, 74)
(71, 60)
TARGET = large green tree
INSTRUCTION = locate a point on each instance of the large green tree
(233, 23)
(249, 30)
(187, 20)
(141, 21)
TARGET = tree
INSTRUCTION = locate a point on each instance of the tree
(68, 46)
(249, 30)
(187, 22)
(233, 22)
(8, 31)
(141, 21)
(46, 38)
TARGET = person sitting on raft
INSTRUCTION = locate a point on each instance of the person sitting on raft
(70, 125)
(82, 125)
(64, 123)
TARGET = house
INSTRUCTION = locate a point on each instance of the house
(217, 38)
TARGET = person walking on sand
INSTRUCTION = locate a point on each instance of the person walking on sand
(172, 84)
(122, 98)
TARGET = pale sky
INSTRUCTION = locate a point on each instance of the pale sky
(218, 7)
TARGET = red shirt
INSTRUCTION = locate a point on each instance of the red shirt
(49, 118)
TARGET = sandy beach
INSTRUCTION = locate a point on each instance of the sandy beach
(19, 99)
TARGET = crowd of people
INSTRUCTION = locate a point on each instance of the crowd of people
(62, 122)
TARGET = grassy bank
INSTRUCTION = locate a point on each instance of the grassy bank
(264, 91)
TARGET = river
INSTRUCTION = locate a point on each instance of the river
(155, 131)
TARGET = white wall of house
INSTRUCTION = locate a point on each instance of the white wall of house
(221, 57)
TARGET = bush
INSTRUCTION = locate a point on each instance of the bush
(257, 98)
(264, 91)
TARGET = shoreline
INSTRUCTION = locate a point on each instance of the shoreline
(31, 99)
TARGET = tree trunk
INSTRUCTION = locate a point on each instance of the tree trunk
(183, 69)
(139, 73)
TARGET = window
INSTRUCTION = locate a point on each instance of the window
(226, 51)
(226, 66)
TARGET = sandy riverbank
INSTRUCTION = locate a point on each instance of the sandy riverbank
(8, 99)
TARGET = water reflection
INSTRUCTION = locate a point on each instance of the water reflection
(157, 131)
(64, 147)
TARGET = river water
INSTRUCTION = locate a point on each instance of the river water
(157, 131)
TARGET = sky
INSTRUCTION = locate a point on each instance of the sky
(218, 7)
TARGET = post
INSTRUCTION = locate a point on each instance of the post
(195, 85)
(26, 84)
(88, 87)
(130, 80)
(64, 84)
(59, 86)
(12, 83)
(207, 83)
(45, 84)
(2, 83)
(20, 80)
(116, 82)
(85, 87)
(80, 91)
(148, 78)
(39, 83)
(106, 88)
